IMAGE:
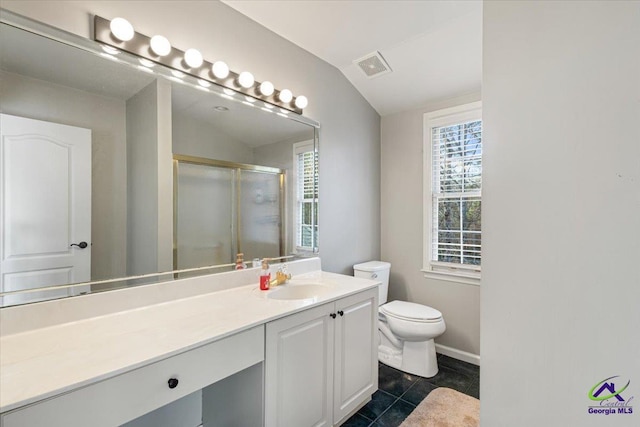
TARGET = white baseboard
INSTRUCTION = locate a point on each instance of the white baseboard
(458, 354)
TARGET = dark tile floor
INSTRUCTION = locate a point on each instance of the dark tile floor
(399, 393)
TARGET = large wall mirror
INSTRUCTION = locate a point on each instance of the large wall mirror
(114, 172)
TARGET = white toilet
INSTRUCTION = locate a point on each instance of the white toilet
(406, 329)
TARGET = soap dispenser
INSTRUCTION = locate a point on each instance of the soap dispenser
(265, 276)
(240, 261)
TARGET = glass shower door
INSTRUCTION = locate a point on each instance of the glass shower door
(260, 217)
(204, 216)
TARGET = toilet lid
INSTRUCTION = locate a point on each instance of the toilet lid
(410, 310)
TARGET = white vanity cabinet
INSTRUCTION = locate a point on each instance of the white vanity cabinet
(122, 398)
(321, 364)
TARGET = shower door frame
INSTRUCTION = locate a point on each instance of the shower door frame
(236, 213)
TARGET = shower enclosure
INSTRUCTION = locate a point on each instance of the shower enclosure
(222, 208)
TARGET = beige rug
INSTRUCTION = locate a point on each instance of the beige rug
(444, 407)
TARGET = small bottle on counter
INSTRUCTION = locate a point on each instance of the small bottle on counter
(240, 261)
(265, 276)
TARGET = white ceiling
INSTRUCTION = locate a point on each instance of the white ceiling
(433, 47)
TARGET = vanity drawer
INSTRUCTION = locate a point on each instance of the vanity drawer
(127, 396)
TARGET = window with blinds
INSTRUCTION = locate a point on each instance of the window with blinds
(455, 238)
(306, 212)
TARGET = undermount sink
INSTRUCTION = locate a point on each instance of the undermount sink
(289, 292)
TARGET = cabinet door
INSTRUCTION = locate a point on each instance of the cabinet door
(356, 341)
(299, 369)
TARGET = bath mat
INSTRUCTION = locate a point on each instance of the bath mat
(444, 407)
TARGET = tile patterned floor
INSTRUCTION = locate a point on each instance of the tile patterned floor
(399, 393)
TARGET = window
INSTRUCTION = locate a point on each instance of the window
(306, 188)
(453, 193)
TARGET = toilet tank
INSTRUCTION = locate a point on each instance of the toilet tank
(375, 270)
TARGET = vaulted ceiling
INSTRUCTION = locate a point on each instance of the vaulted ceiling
(434, 48)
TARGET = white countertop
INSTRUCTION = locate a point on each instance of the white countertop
(44, 362)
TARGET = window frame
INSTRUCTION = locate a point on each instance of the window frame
(461, 273)
(299, 148)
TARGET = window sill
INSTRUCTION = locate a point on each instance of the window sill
(453, 277)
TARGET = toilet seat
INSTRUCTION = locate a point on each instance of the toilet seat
(410, 311)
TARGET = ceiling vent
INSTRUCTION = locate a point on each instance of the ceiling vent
(373, 65)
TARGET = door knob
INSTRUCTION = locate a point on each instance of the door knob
(81, 245)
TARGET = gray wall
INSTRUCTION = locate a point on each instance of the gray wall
(106, 117)
(561, 194)
(350, 133)
(193, 137)
(150, 180)
(402, 230)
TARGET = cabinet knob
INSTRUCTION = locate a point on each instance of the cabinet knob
(333, 315)
(173, 382)
(341, 313)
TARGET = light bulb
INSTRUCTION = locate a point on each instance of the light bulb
(220, 69)
(246, 79)
(178, 74)
(285, 96)
(121, 29)
(110, 50)
(193, 58)
(266, 88)
(301, 102)
(160, 45)
(146, 62)
(204, 83)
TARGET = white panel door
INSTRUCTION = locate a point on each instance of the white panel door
(299, 369)
(356, 358)
(45, 206)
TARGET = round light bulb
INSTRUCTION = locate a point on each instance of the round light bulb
(122, 29)
(146, 62)
(193, 58)
(285, 96)
(246, 79)
(110, 50)
(301, 102)
(220, 69)
(266, 88)
(204, 83)
(160, 45)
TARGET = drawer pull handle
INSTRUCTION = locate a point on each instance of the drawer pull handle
(341, 313)
(173, 382)
(333, 315)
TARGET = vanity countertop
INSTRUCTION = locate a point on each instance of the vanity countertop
(44, 362)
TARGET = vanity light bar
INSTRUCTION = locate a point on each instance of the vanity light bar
(119, 33)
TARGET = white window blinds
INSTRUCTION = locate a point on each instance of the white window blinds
(306, 198)
(456, 236)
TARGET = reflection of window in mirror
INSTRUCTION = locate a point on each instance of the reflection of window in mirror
(305, 160)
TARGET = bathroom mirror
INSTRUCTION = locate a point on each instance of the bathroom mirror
(240, 174)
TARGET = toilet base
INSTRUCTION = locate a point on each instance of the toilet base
(417, 358)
